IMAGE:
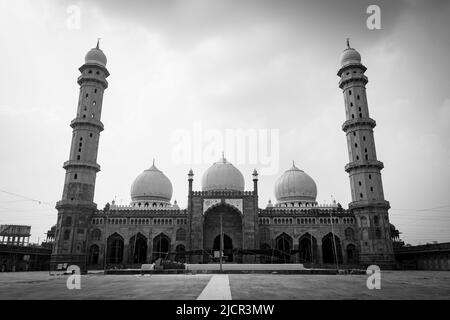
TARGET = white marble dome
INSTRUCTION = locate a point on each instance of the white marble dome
(96, 56)
(152, 185)
(295, 186)
(222, 175)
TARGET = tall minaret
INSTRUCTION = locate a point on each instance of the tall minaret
(77, 204)
(368, 203)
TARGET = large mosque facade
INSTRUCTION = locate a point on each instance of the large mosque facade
(294, 229)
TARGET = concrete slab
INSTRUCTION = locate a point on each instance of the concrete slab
(394, 285)
(218, 288)
(246, 267)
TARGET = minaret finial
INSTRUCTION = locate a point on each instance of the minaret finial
(98, 43)
(348, 42)
(293, 163)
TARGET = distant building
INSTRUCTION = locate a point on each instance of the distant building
(17, 254)
(294, 229)
(434, 256)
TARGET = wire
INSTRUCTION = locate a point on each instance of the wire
(26, 198)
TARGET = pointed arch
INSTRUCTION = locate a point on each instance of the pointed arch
(328, 249)
(161, 246)
(307, 248)
(115, 245)
(283, 246)
(138, 248)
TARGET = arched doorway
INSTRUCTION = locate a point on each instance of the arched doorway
(161, 246)
(180, 253)
(283, 246)
(352, 254)
(328, 253)
(227, 246)
(307, 248)
(138, 249)
(94, 252)
(231, 227)
(115, 249)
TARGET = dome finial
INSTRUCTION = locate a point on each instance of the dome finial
(98, 44)
(348, 42)
(153, 161)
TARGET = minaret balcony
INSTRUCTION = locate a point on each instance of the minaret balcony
(86, 122)
(86, 78)
(81, 164)
(363, 204)
(351, 66)
(70, 204)
(359, 123)
(353, 79)
(363, 164)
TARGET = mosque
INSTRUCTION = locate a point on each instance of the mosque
(295, 229)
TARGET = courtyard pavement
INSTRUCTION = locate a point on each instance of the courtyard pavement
(394, 285)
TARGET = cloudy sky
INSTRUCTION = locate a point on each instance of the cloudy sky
(267, 66)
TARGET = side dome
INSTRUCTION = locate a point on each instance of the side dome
(222, 175)
(151, 187)
(96, 56)
(349, 56)
(295, 186)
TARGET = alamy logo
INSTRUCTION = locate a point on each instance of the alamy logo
(73, 21)
(374, 279)
(74, 280)
(259, 147)
(374, 20)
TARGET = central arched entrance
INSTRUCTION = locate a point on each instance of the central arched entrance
(227, 246)
(161, 246)
(138, 248)
(231, 228)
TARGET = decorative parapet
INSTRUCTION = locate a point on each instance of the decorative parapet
(141, 208)
(222, 193)
(306, 212)
(142, 212)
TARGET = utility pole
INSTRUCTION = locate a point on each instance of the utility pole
(334, 244)
(221, 243)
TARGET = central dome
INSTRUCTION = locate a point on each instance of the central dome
(151, 185)
(222, 175)
(295, 186)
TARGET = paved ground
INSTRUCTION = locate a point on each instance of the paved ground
(394, 285)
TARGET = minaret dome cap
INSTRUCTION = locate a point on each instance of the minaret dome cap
(96, 56)
(349, 56)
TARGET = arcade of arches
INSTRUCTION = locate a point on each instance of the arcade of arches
(281, 249)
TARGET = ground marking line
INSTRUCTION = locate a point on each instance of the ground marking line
(218, 288)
